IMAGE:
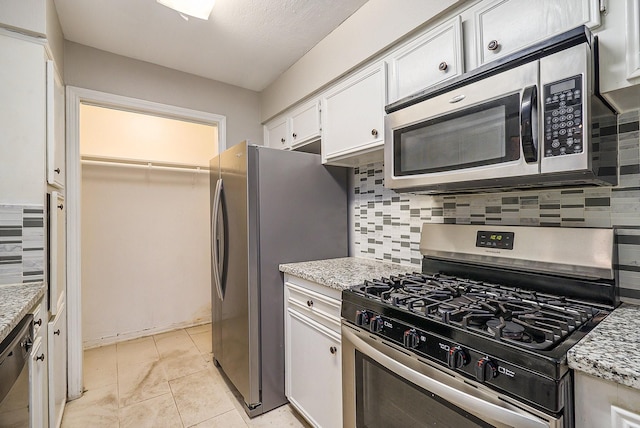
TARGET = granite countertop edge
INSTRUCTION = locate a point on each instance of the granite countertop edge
(609, 350)
(344, 272)
(16, 300)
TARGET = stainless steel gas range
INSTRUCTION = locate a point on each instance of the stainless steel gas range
(480, 336)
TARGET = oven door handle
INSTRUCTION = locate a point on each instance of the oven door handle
(461, 399)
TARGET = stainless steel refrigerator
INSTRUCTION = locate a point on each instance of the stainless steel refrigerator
(268, 207)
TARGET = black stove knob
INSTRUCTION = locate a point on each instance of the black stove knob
(457, 357)
(486, 369)
(411, 339)
(376, 324)
(362, 318)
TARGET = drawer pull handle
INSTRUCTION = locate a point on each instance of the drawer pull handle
(61, 206)
(443, 66)
(40, 357)
(38, 323)
(282, 140)
(493, 45)
(374, 132)
(294, 135)
(57, 170)
(310, 303)
(333, 350)
(57, 332)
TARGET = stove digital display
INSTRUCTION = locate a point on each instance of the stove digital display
(497, 240)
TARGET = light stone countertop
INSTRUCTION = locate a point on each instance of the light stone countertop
(15, 302)
(344, 272)
(611, 351)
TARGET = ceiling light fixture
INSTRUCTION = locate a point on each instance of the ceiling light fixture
(196, 8)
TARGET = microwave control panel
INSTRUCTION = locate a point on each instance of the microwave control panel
(563, 133)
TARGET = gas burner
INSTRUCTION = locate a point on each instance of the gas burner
(507, 329)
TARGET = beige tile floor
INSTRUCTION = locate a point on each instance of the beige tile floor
(166, 380)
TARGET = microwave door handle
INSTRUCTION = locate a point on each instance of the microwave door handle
(528, 122)
(215, 253)
(459, 398)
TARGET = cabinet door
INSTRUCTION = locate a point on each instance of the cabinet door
(275, 134)
(305, 123)
(55, 128)
(432, 58)
(505, 26)
(313, 370)
(353, 116)
(22, 119)
(57, 366)
(38, 385)
(57, 251)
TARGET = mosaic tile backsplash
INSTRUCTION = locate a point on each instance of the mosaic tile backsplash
(21, 244)
(386, 225)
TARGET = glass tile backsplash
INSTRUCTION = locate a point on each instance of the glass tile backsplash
(21, 244)
(386, 225)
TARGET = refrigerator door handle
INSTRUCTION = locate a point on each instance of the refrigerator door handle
(215, 252)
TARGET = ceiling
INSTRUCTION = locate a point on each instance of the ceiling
(247, 43)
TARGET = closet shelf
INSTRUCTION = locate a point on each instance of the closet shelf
(143, 164)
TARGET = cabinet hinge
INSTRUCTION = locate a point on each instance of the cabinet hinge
(603, 6)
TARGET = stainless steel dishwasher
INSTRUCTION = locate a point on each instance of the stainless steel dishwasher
(14, 375)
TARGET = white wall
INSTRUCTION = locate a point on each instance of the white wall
(145, 233)
(372, 28)
(146, 137)
(91, 68)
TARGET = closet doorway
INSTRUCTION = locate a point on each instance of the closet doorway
(145, 224)
(138, 258)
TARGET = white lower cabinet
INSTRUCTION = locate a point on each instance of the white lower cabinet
(38, 381)
(313, 359)
(602, 403)
(38, 385)
(57, 366)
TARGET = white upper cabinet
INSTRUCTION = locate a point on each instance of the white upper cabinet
(304, 123)
(505, 26)
(275, 134)
(294, 129)
(428, 60)
(353, 118)
(55, 128)
(633, 39)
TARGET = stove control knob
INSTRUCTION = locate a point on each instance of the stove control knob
(457, 357)
(411, 339)
(362, 318)
(376, 324)
(486, 369)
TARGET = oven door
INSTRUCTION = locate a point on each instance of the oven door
(468, 137)
(384, 386)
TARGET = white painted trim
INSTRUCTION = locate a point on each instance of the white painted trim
(76, 96)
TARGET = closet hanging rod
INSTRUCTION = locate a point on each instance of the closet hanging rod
(142, 164)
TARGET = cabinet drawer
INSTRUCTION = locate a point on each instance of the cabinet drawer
(322, 309)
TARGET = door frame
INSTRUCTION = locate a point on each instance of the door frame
(74, 97)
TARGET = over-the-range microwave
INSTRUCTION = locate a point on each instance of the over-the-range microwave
(531, 119)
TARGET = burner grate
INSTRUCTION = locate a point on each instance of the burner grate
(522, 317)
